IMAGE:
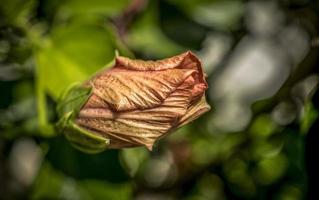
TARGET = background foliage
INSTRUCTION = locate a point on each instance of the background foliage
(258, 142)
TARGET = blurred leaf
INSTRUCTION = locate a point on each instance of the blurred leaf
(289, 192)
(105, 7)
(271, 169)
(21, 113)
(146, 36)
(215, 149)
(73, 53)
(237, 173)
(221, 14)
(188, 5)
(52, 184)
(309, 116)
(104, 190)
(198, 148)
(16, 11)
(209, 186)
(172, 20)
(265, 148)
(262, 126)
(89, 46)
(214, 14)
(56, 71)
(133, 158)
(48, 183)
(102, 166)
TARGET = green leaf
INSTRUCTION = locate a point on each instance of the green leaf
(72, 54)
(88, 46)
(55, 71)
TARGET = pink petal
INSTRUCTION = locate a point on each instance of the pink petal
(128, 90)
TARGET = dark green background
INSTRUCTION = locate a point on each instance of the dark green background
(258, 141)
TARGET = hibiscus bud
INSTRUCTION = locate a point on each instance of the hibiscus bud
(134, 103)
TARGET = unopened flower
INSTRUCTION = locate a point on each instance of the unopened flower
(134, 103)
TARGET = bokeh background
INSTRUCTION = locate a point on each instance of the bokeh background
(258, 141)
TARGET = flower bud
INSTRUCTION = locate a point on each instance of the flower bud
(134, 103)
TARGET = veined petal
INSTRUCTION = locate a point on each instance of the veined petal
(150, 65)
(129, 90)
(137, 127)
(185, 60)
(196, 109)
(96, 102)
(137, 102)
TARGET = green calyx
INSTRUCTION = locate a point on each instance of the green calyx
(68, 108)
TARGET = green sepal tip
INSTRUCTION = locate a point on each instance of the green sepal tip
(68, 108)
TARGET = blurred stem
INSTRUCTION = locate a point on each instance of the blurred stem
(34, 34)
(123, 21)
(41, 99)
